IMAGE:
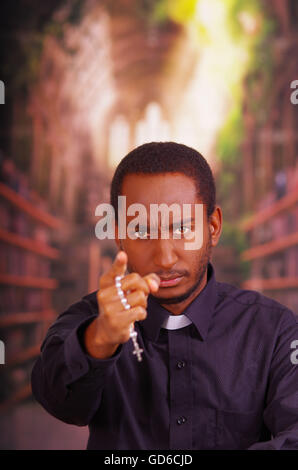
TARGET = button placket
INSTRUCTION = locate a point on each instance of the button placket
(181, 420)
(180, 390)
(180, 364)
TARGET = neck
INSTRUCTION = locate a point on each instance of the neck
(177, 309)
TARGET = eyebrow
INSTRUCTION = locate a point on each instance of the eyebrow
(174, 224)
(184, 221)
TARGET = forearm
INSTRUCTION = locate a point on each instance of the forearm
(285, 440)
(73, 404)
(66, 381)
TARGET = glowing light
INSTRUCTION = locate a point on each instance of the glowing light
(118, 140)
(211, 14)
(153, 127)
(249, 23)
(214, 86)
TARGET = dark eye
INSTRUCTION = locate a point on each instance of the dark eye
(141, 234)
(181, 230)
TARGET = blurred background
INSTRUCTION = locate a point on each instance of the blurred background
(86, 81)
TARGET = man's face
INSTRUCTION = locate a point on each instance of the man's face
(182, 271)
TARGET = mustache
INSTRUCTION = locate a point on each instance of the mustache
(172, 274)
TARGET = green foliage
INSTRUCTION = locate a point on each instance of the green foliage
(235, 8)
(230, 138)
(20, 69)
(257, 75)
(259, 81)
(233, 236)
(175, 10)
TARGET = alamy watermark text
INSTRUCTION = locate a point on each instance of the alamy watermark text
(163, 222)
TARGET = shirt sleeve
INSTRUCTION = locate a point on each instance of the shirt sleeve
(65, 380)
(281, 411)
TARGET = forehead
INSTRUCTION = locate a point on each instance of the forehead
(161, 188)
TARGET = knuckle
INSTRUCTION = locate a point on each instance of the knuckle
(142, 298)
(135, 277)
(142, 313)
(100, 295)
(144, 286)
(141, 295)
(108, 310)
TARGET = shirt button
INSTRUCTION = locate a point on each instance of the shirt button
(180, 364)
(181, 420)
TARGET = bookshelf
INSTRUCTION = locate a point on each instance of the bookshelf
(273, 238)
(270, 169)
(272, 284)
(272, 247)
(284, 204)
(26, 286)
(28, 208)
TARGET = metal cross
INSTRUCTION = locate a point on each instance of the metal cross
(137, 350)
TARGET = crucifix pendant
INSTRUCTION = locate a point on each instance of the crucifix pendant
(137, 350)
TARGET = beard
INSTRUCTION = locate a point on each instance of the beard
(187, 294)
(200, 272)
(199, 275)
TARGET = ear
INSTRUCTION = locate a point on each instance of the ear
(215, 225)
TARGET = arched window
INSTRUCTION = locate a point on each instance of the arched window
(153, 127)
(118, 140)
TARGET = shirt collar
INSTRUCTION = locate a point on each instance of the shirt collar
(200, 311)
(175, 322)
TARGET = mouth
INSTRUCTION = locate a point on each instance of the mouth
(170, 281)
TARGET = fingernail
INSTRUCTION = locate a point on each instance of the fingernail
(120, 256)
(156, 279)
(154, 285)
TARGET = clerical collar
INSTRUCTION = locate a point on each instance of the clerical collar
(200, 311)
(174, 322)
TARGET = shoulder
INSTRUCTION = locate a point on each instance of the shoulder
(255, 304)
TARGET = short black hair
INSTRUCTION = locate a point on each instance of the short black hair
(166, 157)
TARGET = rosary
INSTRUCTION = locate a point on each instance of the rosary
(133, 334)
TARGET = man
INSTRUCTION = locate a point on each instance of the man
(162, 356)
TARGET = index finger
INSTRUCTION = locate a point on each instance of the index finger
(118, 268)
(153, 281)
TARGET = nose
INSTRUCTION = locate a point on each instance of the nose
(164, 255)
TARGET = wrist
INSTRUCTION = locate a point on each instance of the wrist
(96, 344)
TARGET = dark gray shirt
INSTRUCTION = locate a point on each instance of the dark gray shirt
(229, 380)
